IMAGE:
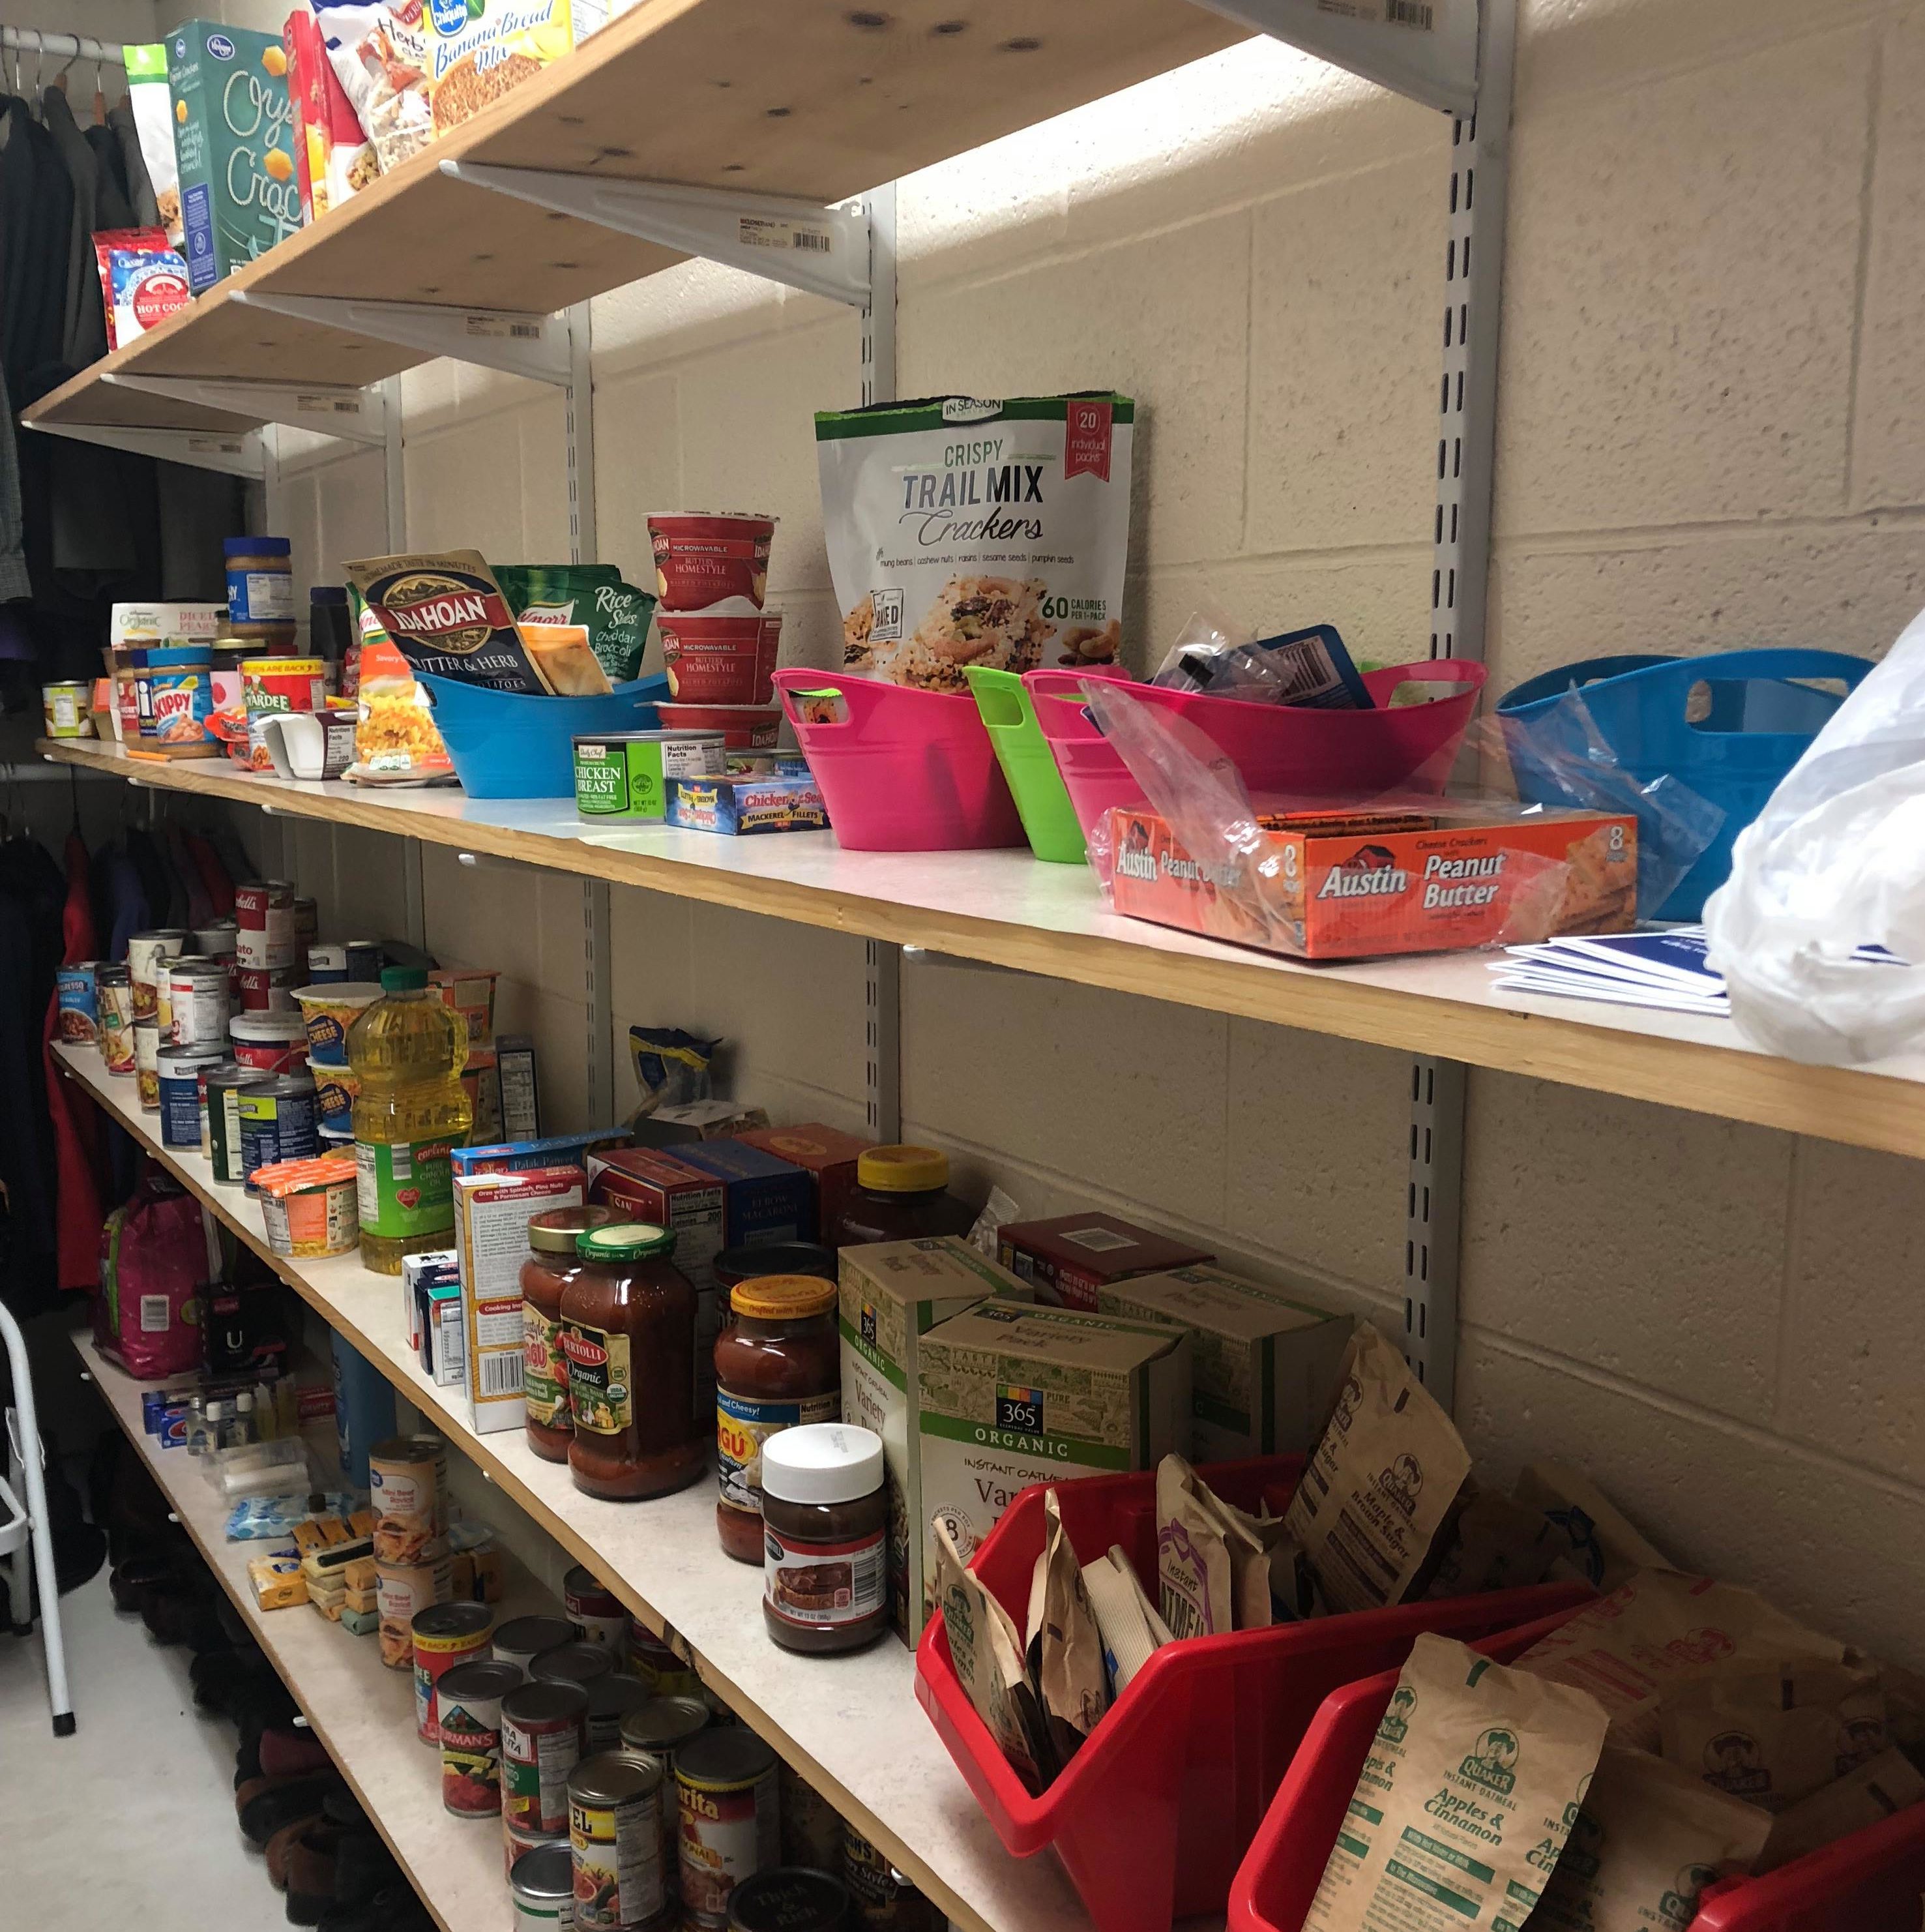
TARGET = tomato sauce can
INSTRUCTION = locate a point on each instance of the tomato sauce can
(467, 1713)
(264, 920)
(542, 1727)
(615, 1842)
(443, 1636)
(654, 1662)
(77, 1022)
(731, 1822)
(521, 1640)
(660, 1728)
(595, 1608)
(113, 990)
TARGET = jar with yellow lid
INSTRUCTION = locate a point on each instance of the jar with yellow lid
(777, 1365)
(901, 1194)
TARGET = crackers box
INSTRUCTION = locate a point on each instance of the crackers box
(1262, 1365)
(826, 1155)
(1349, 884)
(763, 1199)
(890, 1294)
(1071, 1258)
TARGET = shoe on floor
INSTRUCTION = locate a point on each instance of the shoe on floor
(183, 1613)
(311, 1861)
(265, 1804)
(281, 1845)
(126, 1581)
(284, 1749)
(363, 1866)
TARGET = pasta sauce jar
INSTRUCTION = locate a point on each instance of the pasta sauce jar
(825, 1514)
(627, 1328)
(778, 1364)
(552, 1263)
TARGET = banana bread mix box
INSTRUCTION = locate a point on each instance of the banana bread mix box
(1008, 1394)
(890, 1295)
(1347, 883)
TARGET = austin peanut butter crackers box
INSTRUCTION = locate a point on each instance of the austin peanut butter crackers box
(1350, 884)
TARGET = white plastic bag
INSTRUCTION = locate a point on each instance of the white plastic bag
(1835, 865)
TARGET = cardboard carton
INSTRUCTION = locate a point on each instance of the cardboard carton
(1072, 1258)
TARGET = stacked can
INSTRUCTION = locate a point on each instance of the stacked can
(77, 1019)
(113, 993)
(544, 1727)
(198, 1001)
(407, 1480)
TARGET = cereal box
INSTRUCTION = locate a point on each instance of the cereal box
(1071, 1258)
(234, 144)
(1262, 1366)
(890, 1295)
(1350, 884)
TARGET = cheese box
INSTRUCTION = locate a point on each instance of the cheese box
(1008, 1394)
(826, 1155)
(1073, 1257)
(1262, 1366)
(491, 1216)
(890, 1294)
(443, 1351)
(763, 1199)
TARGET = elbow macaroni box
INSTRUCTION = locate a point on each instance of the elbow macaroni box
(491, 1217)
(1008, 1394)
(891, 1294)
(826, 1155)
(763, 1199)
(1262, 1366)
(1072, 1258)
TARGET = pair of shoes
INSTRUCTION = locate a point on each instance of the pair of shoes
(273, 1745)
(395, 1910)
(242, 1685)
(266, 1805)
(181, 1610)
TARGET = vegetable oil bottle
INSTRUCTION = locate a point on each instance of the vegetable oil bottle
(408, 1049)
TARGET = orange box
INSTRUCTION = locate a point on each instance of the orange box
(826, 1155)
(1352, 884)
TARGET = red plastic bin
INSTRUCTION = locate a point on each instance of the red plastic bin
(1869, 1882)
(1151, 1817)
(903, 770)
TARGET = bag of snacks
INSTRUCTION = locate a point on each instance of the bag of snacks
(1132, 1631)
(963, 531)
(988, 1649)
(592, 599)
(1064, 1647)
(396, 740)
(143, 280)
(152, 101)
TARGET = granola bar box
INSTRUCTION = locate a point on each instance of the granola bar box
(1352, 884)
(1008, 1394)
(1071, 1259)
(233, 145)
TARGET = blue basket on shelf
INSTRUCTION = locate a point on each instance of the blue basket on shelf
(1755, 724)
(507, 744)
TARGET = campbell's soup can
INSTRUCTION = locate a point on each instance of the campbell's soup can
(77, 1016)
(264, 921)
(270, 1042)
(467, 1713)
(113, 990)
(595, 1608)
(197, 1001)
(731, 1821)
(444, 1635)
(542, 1730)
(148, 956)
(267, 989)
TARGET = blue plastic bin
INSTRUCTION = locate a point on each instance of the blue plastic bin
(508, 744)
(1757, 726)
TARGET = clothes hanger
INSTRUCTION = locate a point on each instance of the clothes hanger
(100, 92)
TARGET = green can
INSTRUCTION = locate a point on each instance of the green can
(624, 775)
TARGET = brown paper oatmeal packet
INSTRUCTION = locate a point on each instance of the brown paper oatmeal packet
(1662, 1629)
(1214, 1560)
(1648, 1839)
(1772, 1737)
(988, 1650)
(1465, 1803)
(1890, 1783)
(1495, 1544)
(1380, 1484)
(1065, 1650)
(1592, 1542)
(1132, 1631)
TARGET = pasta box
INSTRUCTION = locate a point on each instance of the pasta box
(826, 1154)
(1071, 1260)
(763, 1198)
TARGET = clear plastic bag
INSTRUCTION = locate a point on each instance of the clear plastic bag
(1825, 906)
(1213, 653)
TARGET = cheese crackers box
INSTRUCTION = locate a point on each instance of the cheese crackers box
(890, 1295)
(1351, 884)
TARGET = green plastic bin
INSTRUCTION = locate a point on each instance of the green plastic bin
(1008, 716)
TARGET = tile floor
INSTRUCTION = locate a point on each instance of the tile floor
(131, 1821)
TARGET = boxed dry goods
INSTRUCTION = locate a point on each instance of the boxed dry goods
(644, 1185)
(890, 1294)
(763, 1199)
(1008, 1394)
(826, 1155)
(1072, 1258)
(480, 48)
(1261, 1365)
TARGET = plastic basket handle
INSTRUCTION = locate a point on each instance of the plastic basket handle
(857, 694)
(1736, 666)
(1001, 701)
(1382, 684)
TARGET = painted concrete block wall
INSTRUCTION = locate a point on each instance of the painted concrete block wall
(1710, 437)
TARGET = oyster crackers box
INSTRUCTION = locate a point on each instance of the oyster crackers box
(1262, 1366)
(234, 145)
(890, 1294)
(1008, 1394)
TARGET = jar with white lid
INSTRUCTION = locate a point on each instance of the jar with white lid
(824, 1515)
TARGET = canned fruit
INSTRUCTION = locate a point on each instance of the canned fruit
(66, 710)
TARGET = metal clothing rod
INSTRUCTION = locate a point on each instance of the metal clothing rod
(62, 46)
(47, 772)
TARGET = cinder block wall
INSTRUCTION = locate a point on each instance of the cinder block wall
(1711, 436)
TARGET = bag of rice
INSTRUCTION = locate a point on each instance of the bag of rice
(965, 532)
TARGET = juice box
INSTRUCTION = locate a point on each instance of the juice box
(1073, 1257)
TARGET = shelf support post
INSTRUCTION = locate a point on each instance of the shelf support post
(393, 477)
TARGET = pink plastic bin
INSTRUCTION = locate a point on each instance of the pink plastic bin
(1152, 1815)
(904, 770)
(1277, 748)
(1868, 1882)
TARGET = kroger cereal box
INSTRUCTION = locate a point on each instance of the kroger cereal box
(1349, 884)
(890, 1295)
(234, 144)
(1007, 1395)
(1262, 1366)
(1071, 1258)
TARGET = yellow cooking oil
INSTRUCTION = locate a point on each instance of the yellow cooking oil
(408, 1049)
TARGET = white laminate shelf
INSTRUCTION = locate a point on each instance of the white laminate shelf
(850, 1726)
(362, 1711)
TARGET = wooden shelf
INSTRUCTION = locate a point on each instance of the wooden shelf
(850, 1725)
(762, 95)
(1010, 910)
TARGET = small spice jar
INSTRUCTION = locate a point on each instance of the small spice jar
(553, 1262)
(901, 1194)
(778, 1364)
(825, 1519)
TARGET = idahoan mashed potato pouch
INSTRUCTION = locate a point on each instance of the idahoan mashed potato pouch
(966, 531)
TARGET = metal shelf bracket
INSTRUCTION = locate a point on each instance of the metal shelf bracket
(534, 346)
(328, 408)
(236, 454)
(823, 250)
(1426, 50)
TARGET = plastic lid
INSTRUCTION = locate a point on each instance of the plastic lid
(553, 1231)
(903, 1170)
(822, 1462)
(782, 1297)
(327, 593)
(626, 1241)
(404, 979)
(789, 1898)
(256, 547)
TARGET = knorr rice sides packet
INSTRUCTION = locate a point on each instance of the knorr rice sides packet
(1463, 1804)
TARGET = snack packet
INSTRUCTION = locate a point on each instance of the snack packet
(1497, 1544)
(1772, 1737)
(1379, 1487)
(1648, 1839)
(149, 97)
(988, 1650)
(1889, 1783)
(1310, 668)
(143, 280)
(1132, 1631)
(614, 616)
(1465, 1801)
(396, 740)
(1064, 1647)
(1594, 1544)
(671, 1066)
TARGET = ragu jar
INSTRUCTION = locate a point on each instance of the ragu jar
(628, 1331)
(552, 1263)
(777, 1365)
(901, 1194)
